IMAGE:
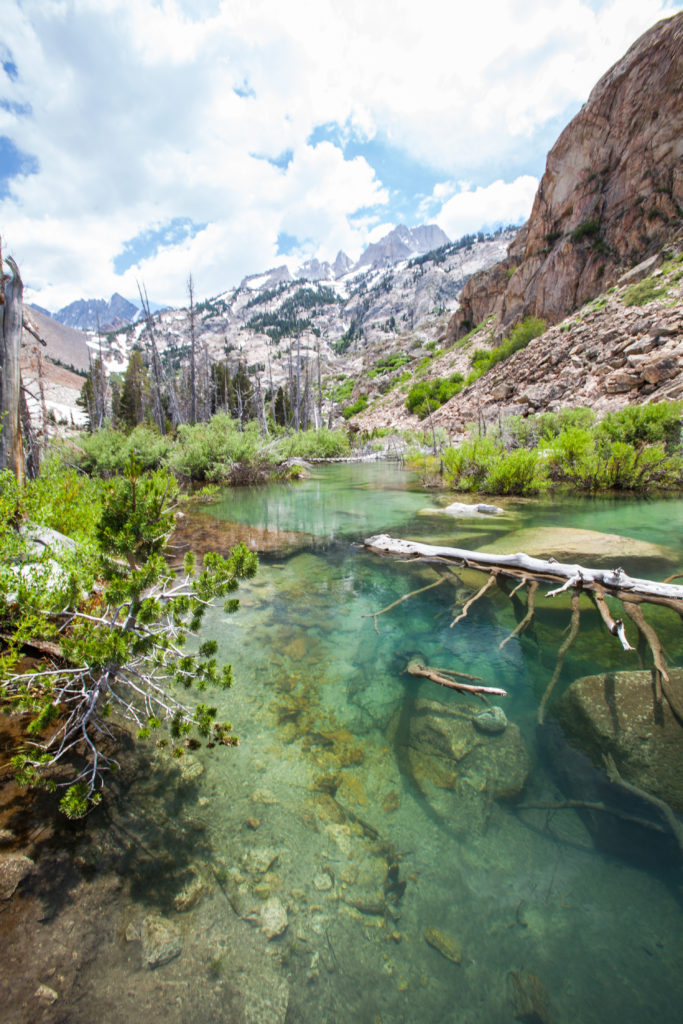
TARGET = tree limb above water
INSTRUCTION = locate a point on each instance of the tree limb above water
(597, 583)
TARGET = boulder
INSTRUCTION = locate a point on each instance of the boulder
(588, 547)
(616, 713)
(530, 1001)
(14, 868)
(452, 750)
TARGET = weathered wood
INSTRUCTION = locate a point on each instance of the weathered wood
(441, 676)
(612, 581)
(571, 637)
(11, 316)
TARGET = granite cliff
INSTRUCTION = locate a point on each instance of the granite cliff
(611, 194)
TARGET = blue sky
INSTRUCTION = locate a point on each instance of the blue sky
(147, 139)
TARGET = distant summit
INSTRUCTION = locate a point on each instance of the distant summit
(89, 314)
(401, 243)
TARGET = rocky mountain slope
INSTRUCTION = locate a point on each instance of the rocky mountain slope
(346, 321)
(611, 352)
(611, 195)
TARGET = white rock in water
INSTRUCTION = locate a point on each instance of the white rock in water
(459, 508)
(273, 918)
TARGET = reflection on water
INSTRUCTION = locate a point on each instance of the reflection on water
(362, 855)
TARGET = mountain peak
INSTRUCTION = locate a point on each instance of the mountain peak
(401, 243)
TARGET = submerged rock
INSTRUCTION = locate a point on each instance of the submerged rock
(273, 918)
(492, 721)
(529, 998)
(161, 941)
(589, 547)
(452, 751)
(444, 944)
(616, 714)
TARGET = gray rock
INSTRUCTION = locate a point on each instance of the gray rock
(616, 714)
(42, 538)
(14, 868)
(445, 748)
(161, 941)
(273, 918)
(493, 721)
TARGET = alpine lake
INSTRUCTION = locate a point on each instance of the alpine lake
(368, 853)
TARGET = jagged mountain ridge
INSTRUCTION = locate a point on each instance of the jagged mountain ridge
(94, 314)
(346, 321)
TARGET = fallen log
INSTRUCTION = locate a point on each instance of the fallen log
(597, 583)
(614, 582)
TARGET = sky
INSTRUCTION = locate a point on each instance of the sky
(144, 140)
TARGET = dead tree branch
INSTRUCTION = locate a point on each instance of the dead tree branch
(480, 593)
(441, 676)
(532, 587)
(413, 593)
(571, 636)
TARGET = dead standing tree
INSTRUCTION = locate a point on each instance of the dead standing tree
(11, 316)
(530, 572)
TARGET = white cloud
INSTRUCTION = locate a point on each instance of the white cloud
(135, 121)
(499, 203)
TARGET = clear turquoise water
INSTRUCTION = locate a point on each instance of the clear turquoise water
(326, 807)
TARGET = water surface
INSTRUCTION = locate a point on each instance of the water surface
(413, 891)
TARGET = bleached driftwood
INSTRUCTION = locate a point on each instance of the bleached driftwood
(597, 583)
(614, 582)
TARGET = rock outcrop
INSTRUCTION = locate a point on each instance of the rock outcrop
(611, 195)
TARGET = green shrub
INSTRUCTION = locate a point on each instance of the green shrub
(428, 395)
(641, 292)
(351, 410)
(107, 452)
(657, 423)
(518, 472)
(209, 451)
(587, 229)
(520, 336)
(343, 391)
(315, 444)
(529, 431)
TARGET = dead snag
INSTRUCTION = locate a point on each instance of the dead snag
(615, 626)
(635, 613)
(413, 593)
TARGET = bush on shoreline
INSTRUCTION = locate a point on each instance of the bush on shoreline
(636, 449)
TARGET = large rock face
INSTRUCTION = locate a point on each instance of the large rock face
(612, 192)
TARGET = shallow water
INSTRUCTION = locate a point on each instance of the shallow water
(378, 853)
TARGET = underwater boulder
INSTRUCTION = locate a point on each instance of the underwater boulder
(451, 749)
(616, 714)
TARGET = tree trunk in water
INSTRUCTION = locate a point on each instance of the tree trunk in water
(11, 315)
